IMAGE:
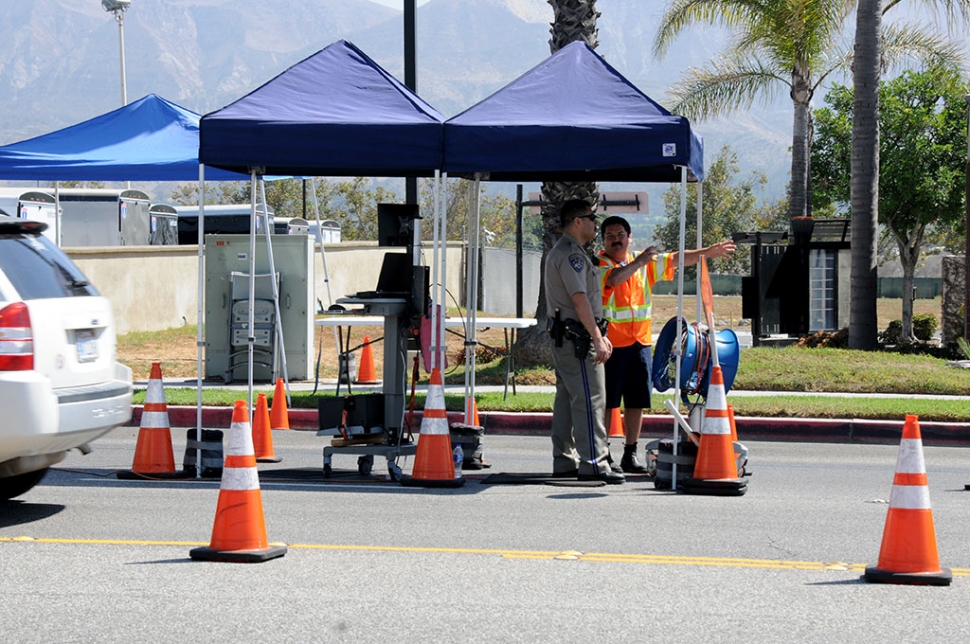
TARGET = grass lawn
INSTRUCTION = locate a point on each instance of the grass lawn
(787, 369)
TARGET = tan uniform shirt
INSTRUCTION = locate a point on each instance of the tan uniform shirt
(569, 270)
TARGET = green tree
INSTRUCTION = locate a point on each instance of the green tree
(790, 44)
(496, 214)
(922, 139)
(730, 205)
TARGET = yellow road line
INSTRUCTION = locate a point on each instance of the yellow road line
(541, 555)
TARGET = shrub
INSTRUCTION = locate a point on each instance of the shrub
(924, 326)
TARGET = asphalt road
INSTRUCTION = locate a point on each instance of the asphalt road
(86, 557)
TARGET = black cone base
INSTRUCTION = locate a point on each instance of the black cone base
(714, 487)
(131, 475)
(874, 575)
(269, 459)
(410, 481)
(238, 556)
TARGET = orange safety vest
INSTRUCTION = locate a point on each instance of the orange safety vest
(627, 306)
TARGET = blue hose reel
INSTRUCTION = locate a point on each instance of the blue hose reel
(696, 360)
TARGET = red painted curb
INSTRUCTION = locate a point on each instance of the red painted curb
(538, 424)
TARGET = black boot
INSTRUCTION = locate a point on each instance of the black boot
(630, 463)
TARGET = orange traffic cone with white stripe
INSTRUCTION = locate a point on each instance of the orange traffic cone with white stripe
(472, 404)
(262, 435)
(434, 464)
(279, 415)
(154, 457)
(365, 373)
(616, 424)
(715, 467)
(239, 531)
(908, 553)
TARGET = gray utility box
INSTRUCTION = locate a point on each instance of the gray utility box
(293, 259)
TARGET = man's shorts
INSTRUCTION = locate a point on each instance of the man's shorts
(628, 377)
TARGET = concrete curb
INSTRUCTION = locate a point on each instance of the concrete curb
(537, 424)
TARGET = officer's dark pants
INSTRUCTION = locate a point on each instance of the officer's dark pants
(578, 430)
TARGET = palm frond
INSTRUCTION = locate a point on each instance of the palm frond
(681, 14)
(909, 43)
(724, 86)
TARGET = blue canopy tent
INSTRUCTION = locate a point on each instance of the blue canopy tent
(573, 117)
(336, 113)
(151, 139)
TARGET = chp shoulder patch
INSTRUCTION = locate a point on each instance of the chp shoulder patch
(578, 262)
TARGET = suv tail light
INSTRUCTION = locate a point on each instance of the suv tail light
(16, 338)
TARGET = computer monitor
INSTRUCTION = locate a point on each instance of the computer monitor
(395, 224)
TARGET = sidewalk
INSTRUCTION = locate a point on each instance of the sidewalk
(846, 430)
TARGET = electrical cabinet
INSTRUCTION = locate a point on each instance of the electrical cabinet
(293, 260)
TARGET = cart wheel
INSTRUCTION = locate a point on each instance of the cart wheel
(394, 470)
(327, 471)
(365, 464)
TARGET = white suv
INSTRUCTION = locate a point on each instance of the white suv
(60, 386)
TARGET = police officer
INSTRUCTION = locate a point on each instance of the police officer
(574, 300)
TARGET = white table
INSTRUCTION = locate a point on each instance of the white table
(509, 326)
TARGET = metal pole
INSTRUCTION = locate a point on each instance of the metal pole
(200, 321)
(120, 17)
(518, 251)
(411, 82)
(966, 255)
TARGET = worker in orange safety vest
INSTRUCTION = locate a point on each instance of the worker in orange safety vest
(627, 284)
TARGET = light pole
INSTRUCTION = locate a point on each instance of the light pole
(118, 8)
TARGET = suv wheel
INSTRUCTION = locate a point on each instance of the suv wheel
(13, 486)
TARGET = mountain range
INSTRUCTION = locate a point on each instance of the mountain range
(59, 59)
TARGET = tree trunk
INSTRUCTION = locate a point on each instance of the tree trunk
(864, 189)
(801, 95)
(908, 259)
(572, 20)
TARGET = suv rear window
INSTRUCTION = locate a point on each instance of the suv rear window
(38, 269)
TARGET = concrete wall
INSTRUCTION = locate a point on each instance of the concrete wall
(156, 287)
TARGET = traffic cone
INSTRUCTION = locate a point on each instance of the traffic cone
(473, 405)
(365, 373)
(716, 468)
(908, 553)
(239, 531)
(616, 424)
(433, 461)
(154, 457)
(262, 434)
(734, 427)
(279, 416)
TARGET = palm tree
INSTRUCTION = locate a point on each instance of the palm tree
(867, 73)
(572, 20)
(790, 44)
(796, 44)
(783, 43)
(864, 190)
